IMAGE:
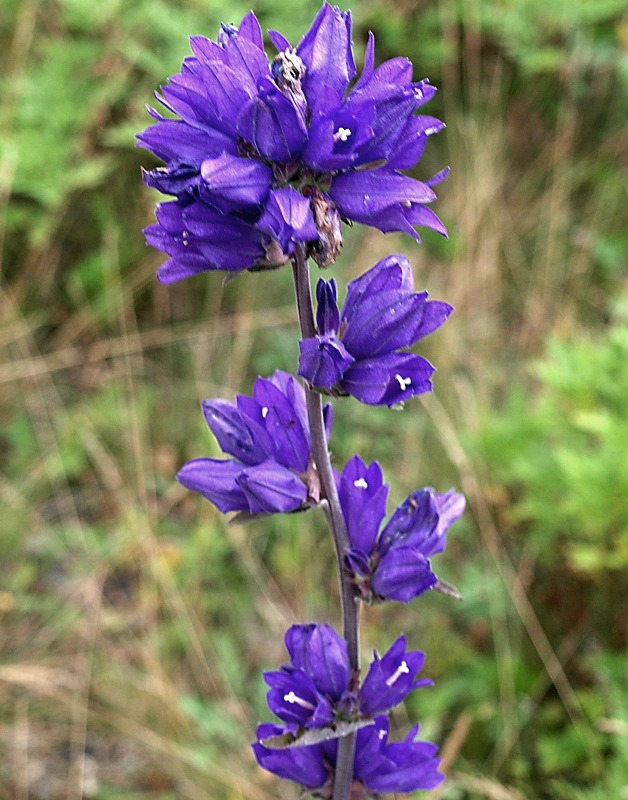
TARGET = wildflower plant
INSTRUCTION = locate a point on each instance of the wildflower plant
(265, 161)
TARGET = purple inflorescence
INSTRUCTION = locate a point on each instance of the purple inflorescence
(359, 350)
(263, 156)
(318, 690)
(268, 437)
(264, 161)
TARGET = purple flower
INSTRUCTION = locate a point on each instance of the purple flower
(391, 678)
(359, 349)
(379, 767)
(393, 564)
(248, 135)
(318, 687)
(268, 437)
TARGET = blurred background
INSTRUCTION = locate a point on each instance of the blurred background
(135, 623)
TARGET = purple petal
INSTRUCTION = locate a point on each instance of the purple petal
(403, 217)
(391, 678)
(335, 142)
(358, 562)
(388, 379)
(250, 29)
(387, 78)
(289, 440)
(369, 61)
(294, 393)
(403, 574)
(248, 61)
(415, 766)
(232, 434)
(388, 127)
(279, 40)
(451, 506)
(326, 51)
(422, 521)
(327, 314)
(270, 488)
(392, 272)
(413, 524)
(294, 699)
(384, 322)
(363, 496)
(287, 217)
(217, 481)
(370, 751)
(423, 92)
(323, 361)
(412, 141)
(254, 418)
(199, 238)
(435, 314)
(175, 140)
(322, 654)
(272, 124)
(234, 184)
(303, 765)
(361, 196)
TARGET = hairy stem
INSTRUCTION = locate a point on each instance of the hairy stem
(320, 453)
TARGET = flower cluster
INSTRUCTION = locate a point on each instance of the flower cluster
(393, 563)
(269, 438)
(317, 687)
(263, 156)
(358, 350)
(316, 690)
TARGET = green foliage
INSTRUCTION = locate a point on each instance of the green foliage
(131, 614)
(559, 448)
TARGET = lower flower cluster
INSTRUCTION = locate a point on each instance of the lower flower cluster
(318, 698)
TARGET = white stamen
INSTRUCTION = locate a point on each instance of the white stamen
(381, 733)
(343, 134)
(402, 669)
(360, 483)
(291, 697)
(264, 412)
(403, 382)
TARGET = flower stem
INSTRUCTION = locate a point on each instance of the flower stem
(320, 453)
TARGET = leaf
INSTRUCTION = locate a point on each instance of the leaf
(317, 735)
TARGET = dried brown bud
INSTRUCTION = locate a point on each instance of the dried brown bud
(327, 220)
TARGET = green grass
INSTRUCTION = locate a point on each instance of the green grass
(135, 622)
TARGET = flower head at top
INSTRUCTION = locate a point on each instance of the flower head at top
(380, 766)
(268, 437)
(262, 157)
(393, 563)
(318, 687)
(359, 349)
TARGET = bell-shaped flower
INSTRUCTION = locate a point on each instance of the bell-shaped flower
(391, 678)
(361, 349)
(393, 562)
(268, 437)
(246, 130)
